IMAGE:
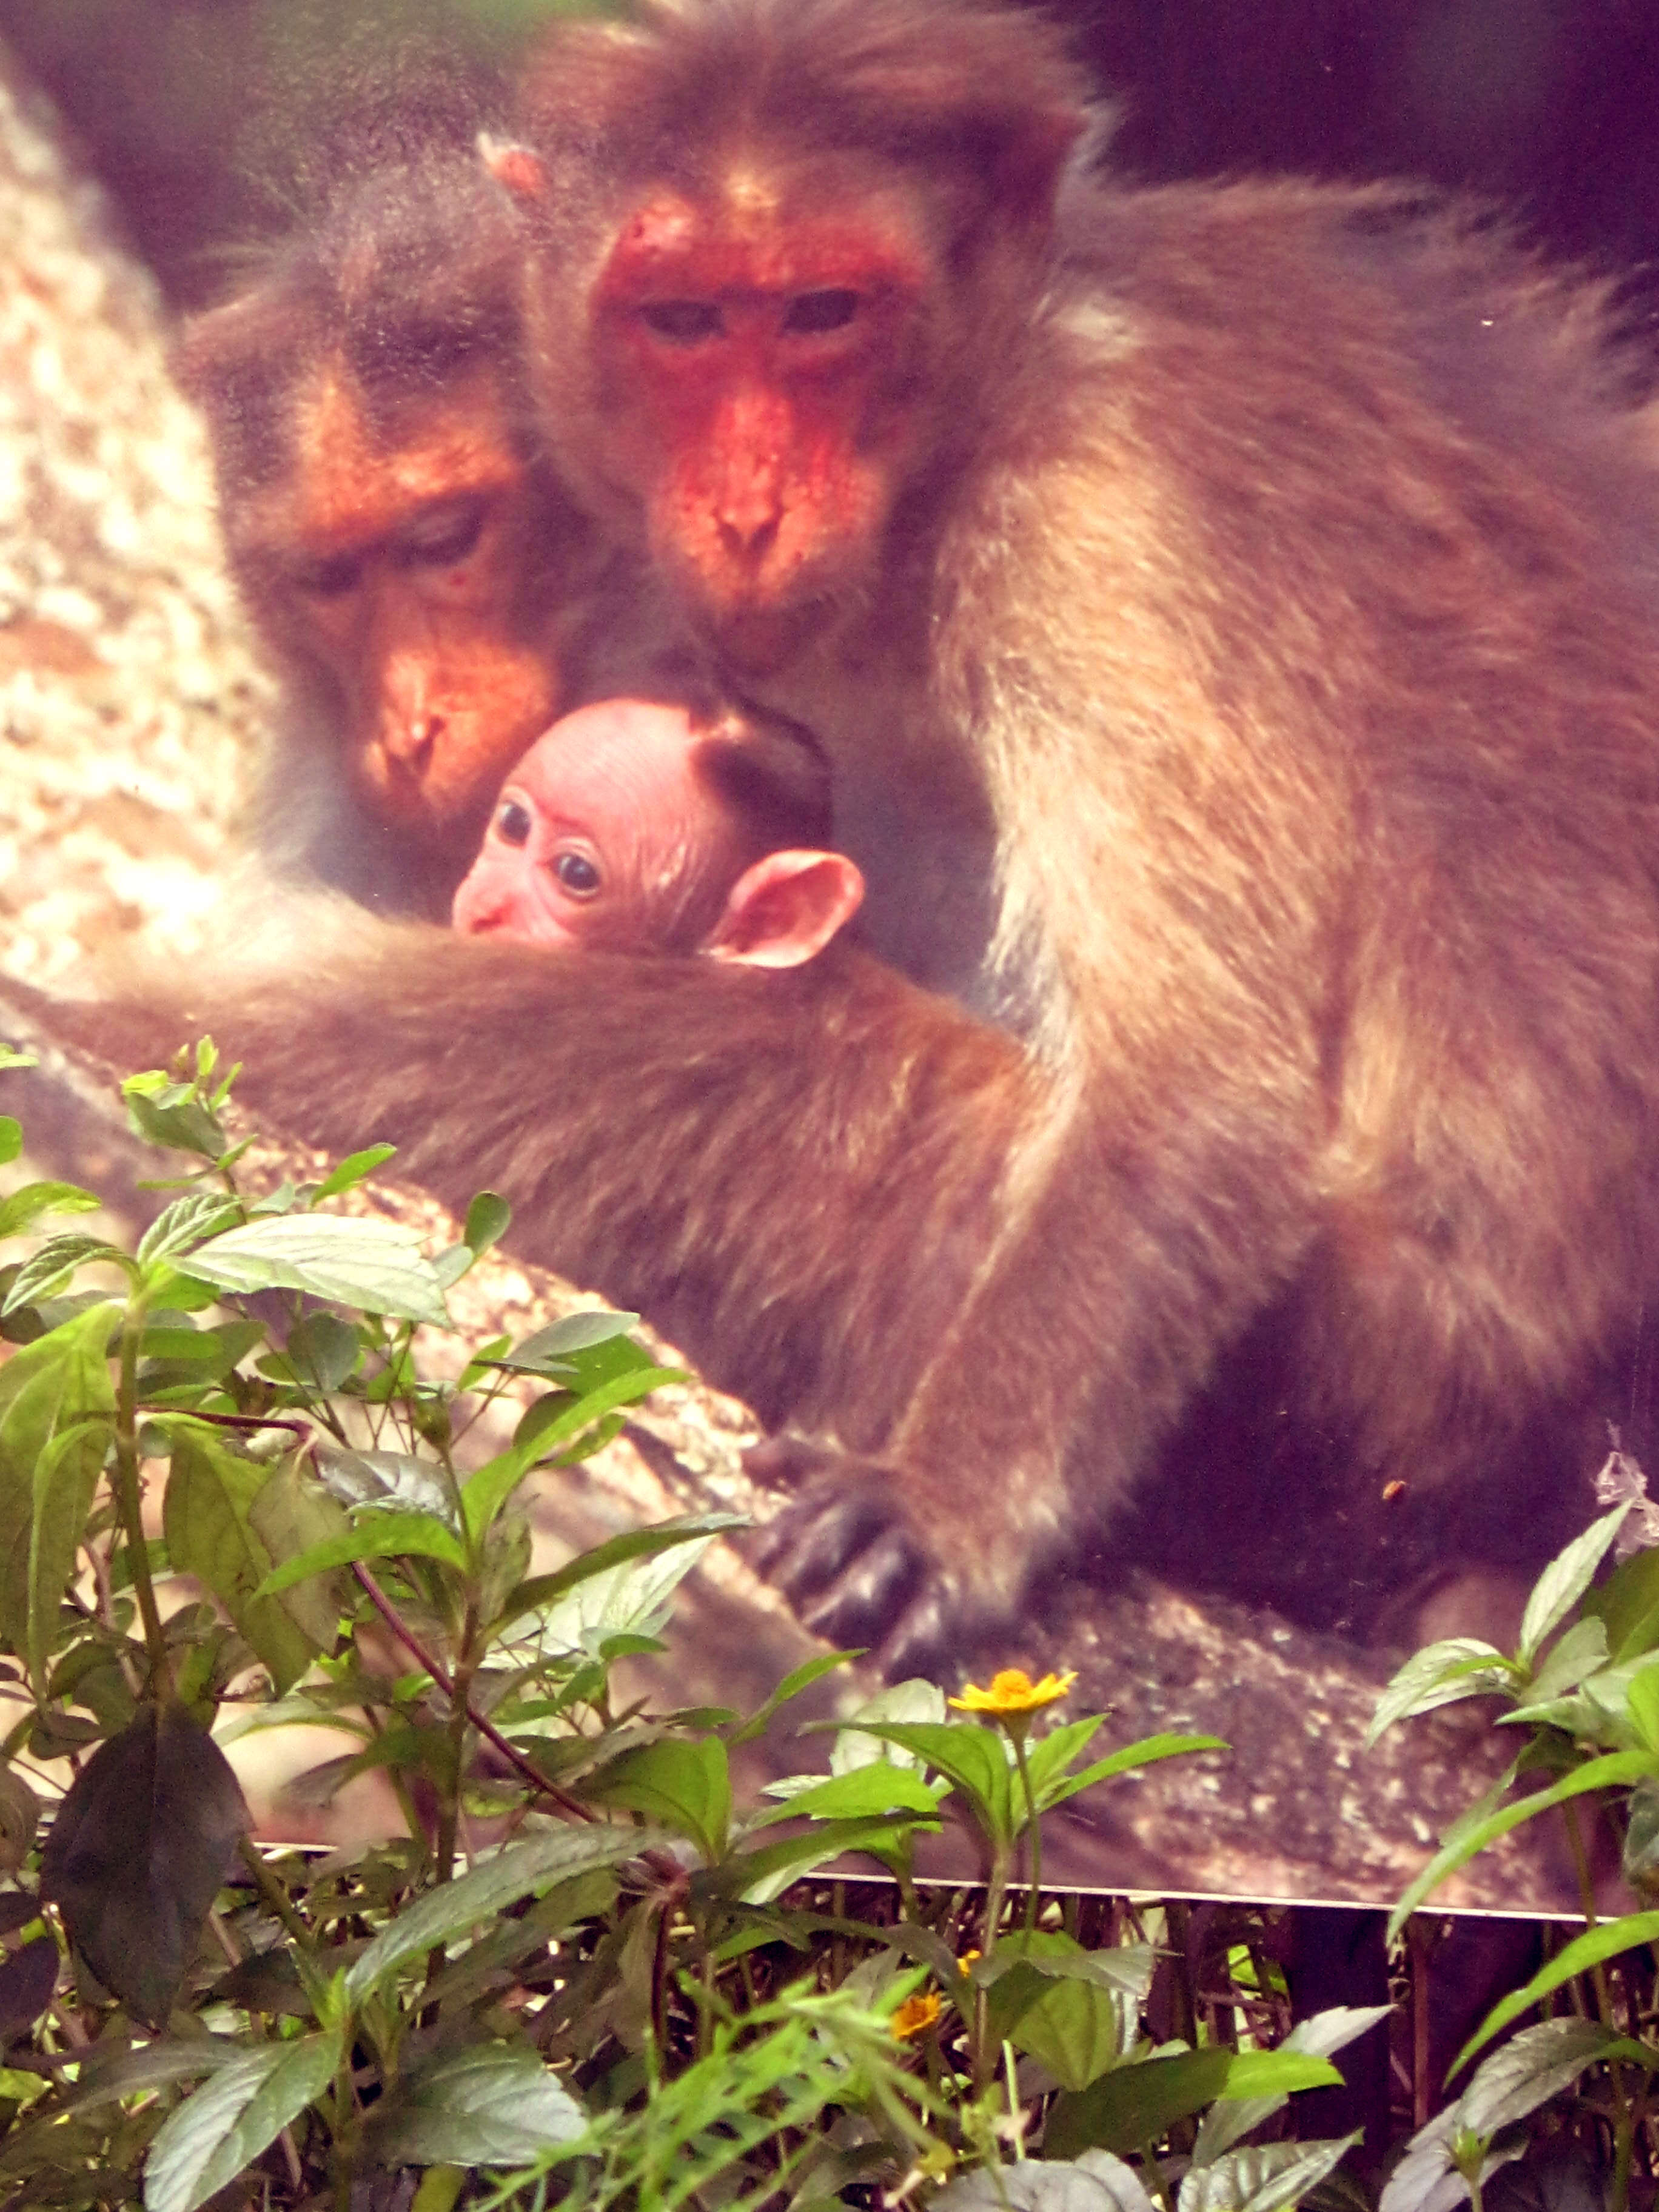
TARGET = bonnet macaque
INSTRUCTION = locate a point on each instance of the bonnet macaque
(633, 826)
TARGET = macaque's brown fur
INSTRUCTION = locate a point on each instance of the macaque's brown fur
(1277, 563)
(415, 571)
(1246, 596)
(643, 1119)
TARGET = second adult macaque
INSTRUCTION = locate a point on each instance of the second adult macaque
(411, 563)
(635, 826)
(1276, 561)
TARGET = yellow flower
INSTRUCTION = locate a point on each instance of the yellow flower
(965, 1962)
(1013, 1691)
(915, 2014)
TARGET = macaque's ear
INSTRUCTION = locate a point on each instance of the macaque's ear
(517, 171)
(786, 909)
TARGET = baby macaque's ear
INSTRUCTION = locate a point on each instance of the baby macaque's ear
(786, 909)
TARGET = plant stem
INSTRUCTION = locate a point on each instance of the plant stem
(273, 1892)
(1033, 1828)
(984, 2060)
(449, 1809)
(1624, 2120)
(525, 1768)
(130, 1503)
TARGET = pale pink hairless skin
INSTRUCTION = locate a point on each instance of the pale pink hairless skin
(611, 835)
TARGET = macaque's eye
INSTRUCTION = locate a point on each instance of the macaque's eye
(328, 579)
(448, 534)
(683, 322)
(513, 823)
(578, 873)
(811, 313)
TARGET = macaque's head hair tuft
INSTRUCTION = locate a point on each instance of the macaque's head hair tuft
(989, 91)
(408, 274)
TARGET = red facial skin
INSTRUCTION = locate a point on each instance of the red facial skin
(404, 574)
(599, 835)
(765, 381)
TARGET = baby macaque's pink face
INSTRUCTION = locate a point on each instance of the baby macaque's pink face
(601, 834)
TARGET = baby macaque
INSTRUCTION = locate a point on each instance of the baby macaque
(639, 826)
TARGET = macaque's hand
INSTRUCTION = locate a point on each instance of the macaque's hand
(856, 1572)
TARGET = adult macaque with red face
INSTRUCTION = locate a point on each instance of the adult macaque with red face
(1273, 566)
(635, 826)
(409, 559)
(1246, 595)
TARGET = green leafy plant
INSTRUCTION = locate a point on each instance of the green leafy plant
(1581, 1689)
(581, 1972)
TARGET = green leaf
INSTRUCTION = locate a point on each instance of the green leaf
(1324, 2035)
(1267, 2177)
(138, 1851)
(1425, 2174)
(1125, 1969)
(1585, 1951)
(1073, 2025)
(1642, 1705)
(1577, 1652)
(1565, 1581)
(1439, 1675)
(759, 1875)
(196, 1355)
(352, 1170)
(35, 1199)
(551, 1347)
(494, 2103)
(1097, 2182)
(1534, 2066)
(621, 1587)
(56, 1409)
(196, 1215)
(975, 1759)
(20, 1817)
(1134, 2106)
(376, 1534)
(149, 2066)
(1640, 1856)
(322, 1350)
(401, 1482)
(1272, 2073)
(880, 1787)
(12, 1130)
(479, 1896)
(1047, 1757)
(369, 1263)
(57, 1262)
(1144, 1753)
(173, 1120)
(488, 1490)
(216, 2134)
(1463, 1843)
(797, 1680)
(913, 1700)
(291, 1515)
(1628, 1601)
(207, 1520)
(684, 1786)
(488, 1219)
(552, 1422)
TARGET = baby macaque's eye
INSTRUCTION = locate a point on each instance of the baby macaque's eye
(513, 823)
(576, 873)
